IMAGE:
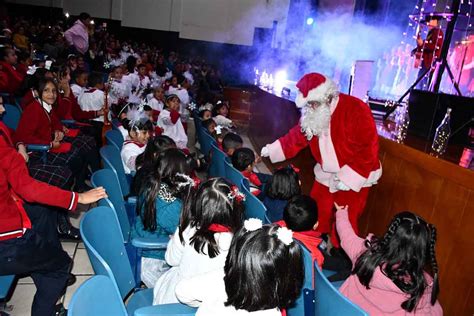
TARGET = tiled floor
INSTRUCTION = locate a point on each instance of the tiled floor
(25, 289)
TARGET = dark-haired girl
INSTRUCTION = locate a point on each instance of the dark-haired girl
(139, 127)
(390, 275)
(284, 185)
(159, 207)
(263, 275)
(39, 125)
(201, 242)
(146, 161)
(169, 121)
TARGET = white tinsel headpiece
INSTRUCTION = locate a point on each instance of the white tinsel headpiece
(136, 115)
(188, 181)
(206, 107)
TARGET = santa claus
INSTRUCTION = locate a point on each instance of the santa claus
(341, 133)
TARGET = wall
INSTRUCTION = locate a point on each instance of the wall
(221, 21)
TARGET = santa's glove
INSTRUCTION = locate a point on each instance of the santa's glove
(265, 152)
(341, 185)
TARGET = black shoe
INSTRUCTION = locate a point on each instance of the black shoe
(71, 280)
(71, 233)
(59, 310)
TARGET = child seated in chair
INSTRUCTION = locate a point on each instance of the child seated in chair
(244, 160)
(201, 242)
(263, 275)
(169, 121)
(139, 128)
(160, 201)
(301, 216)
(284, 184)
(221, 113)
(230, 143)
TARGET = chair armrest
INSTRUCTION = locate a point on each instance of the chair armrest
(37, 147)
(166, 309)
(68, 121)
(151, 243)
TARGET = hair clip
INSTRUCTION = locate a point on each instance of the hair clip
(197, 182)
(218, 102)
(285, 235)
(252, 224)
(192, 106)
(188, 180)
(295, 169)
(236, 194)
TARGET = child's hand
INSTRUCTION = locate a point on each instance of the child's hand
(340, 208)
(92, 196)
(58, 136)
(56, 144)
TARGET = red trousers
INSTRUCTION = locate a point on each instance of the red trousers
(325, 201)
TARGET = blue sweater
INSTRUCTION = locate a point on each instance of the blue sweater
(167, 220)
(275, 208)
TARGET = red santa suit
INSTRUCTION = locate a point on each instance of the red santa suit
(346, 155)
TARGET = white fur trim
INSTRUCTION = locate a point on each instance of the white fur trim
(324, 90)
(355, 181)
(275, 152)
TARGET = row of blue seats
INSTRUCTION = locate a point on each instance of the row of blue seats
(114, 284)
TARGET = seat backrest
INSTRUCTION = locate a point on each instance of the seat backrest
(207, 141)
(217, 167)
(100, 231)
(254, 208)
(97, 296)
(299, 307)
(111, 160)
(115, 138)
(329, 301)
(233, 175)
(11, 117)
(6, 282)
(106, 178)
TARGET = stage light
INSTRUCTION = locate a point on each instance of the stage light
(280, 78)
(309, 21)
(66, 15)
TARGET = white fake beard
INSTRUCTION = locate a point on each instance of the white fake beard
(314, 122)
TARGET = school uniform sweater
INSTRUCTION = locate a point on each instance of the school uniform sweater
(16, 185)
(129, 153)
(36, 125)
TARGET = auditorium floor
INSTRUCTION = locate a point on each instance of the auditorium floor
(25, 290)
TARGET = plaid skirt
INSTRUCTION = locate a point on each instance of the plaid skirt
(59, 176)
(84, 143)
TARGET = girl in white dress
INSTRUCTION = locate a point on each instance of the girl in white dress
(169, 121)
(202, 240)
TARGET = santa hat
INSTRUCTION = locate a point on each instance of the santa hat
(314, 86)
